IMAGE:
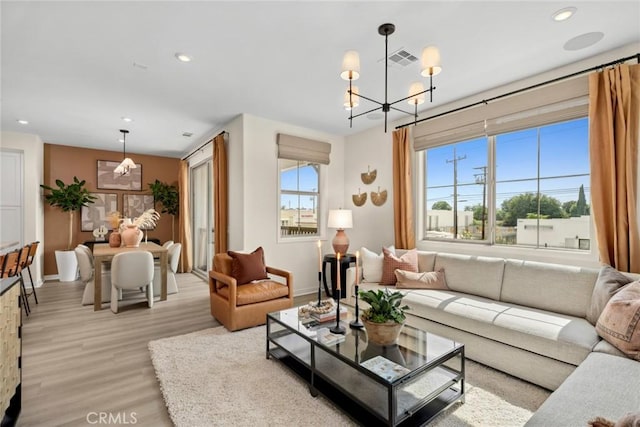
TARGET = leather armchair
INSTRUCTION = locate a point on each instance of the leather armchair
(244, 305)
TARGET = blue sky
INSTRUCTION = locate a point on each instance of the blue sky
(307, 180)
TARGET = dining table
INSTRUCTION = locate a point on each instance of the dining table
(102, 253)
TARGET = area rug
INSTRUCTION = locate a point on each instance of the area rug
(217, 378)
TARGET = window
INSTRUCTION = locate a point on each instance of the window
(541, 192)
(299, 197)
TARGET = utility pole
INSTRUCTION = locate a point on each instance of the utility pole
(481, 178)
(455, 161)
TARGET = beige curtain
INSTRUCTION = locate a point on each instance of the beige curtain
(184, 223)
(220, 194)
(402, 192)
(614, 113)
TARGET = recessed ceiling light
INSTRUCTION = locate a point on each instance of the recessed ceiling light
(183, 57)
(564, 14)
(583, 41)
(23, 122)
(127, 119)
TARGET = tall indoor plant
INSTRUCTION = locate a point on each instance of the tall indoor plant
(385, 316)
(69, 198)
(167, 196)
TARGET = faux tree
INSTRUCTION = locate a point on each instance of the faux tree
(70, 198)
(167, 196)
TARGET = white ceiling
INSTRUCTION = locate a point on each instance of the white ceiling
(68, 67)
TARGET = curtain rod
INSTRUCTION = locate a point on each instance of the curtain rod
(194, 151)
(513, 92)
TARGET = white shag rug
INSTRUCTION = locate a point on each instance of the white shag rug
(217, 378)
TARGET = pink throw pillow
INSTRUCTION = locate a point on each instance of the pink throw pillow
(391, 263)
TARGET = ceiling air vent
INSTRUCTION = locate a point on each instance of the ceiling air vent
(187, 134)
(400, 58)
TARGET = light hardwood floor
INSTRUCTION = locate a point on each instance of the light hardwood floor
(78, 363)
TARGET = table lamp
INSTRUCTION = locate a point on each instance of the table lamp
(340, 219)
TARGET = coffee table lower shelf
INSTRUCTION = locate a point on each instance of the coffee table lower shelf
(352, 407)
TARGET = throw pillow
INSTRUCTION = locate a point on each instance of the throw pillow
(628, 420)
(619, 322)
(372, 264)
(608, 282)
(424, 280)
(246, 268)
(391, 263)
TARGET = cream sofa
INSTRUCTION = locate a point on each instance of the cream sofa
(527, 319)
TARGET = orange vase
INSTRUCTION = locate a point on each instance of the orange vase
(132, 236)
(115, 240)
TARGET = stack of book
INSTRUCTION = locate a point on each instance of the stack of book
(326, 337)
(330, 315)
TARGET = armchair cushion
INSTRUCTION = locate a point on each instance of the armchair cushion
(252, 293)
(246, 268)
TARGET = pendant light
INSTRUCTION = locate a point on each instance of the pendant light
(127, 164)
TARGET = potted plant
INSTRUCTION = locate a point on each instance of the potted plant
(385, 316)
(167, 196)
(70, 198)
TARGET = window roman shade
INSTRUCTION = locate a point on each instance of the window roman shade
(302, 149)
(551, 103)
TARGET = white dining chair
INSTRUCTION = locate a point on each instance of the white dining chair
(167, 244)
(173, 255)
(87, 272)
(131, 270)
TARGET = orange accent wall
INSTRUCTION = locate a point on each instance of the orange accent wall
(64, 162)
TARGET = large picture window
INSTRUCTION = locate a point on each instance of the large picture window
(299, 198)
(540, 198)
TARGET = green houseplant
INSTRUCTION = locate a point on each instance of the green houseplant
(167, 196)
(385, 316)
(69, 198)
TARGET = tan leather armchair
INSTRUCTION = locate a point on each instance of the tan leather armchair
(244, 305)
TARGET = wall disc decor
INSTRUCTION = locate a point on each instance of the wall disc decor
(369, 176)
(359, 199)
(379, 198)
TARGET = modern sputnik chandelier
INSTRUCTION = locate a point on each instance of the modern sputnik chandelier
(127, 164)
(351, 71)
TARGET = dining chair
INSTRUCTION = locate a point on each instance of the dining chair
(167, 244)
(87, 273)
(131, 270)
(173, 257)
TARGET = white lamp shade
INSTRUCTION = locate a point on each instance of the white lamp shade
(430, 61)
(340, 219)
(128, 163)
(351, 100)
(350, 65)
(417, 99)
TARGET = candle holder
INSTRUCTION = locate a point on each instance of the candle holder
(337, 329)
(356, 323)
(319, 288)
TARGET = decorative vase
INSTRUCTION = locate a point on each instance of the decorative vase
(382, 333)
(132, 236)
(115, 240)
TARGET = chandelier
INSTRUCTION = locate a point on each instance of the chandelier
(127, 164)
(351, 71)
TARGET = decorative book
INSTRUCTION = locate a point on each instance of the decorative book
(326, 337)
(385, 368)
(331, 315)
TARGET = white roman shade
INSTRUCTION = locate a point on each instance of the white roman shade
(303, 149)
(551, 103)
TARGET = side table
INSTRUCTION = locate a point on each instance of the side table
(345, 262)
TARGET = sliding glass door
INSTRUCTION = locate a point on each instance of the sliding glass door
(202, 217)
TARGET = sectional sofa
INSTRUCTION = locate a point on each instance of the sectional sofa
(528, 319)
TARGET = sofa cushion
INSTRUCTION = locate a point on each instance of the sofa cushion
(421, 280)
(372, 264)
(557, 288)
(472, 274)
(407, 262)
(608, 282)
(246, 268)
(600, 387)
(252, 293)
(619, 322)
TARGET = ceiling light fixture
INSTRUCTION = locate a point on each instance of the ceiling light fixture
(22, 121)
(127, 164)
(127, 119)
(564, 14)
(351, 71)
(183, 57)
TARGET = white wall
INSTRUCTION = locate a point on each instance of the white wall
(373, 226)
(33, 149)
(254, 207)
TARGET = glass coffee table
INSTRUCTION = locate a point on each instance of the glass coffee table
(408, 383)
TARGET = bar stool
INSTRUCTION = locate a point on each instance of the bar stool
(33, 248)
(11, 268)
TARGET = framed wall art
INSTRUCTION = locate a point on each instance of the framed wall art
(107, 180)
(135, 204)
(95, 215)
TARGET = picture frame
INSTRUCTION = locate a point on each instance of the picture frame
(96, 214)
(108, 180)
(133, 205)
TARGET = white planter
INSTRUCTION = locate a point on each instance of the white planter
(67, 266)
